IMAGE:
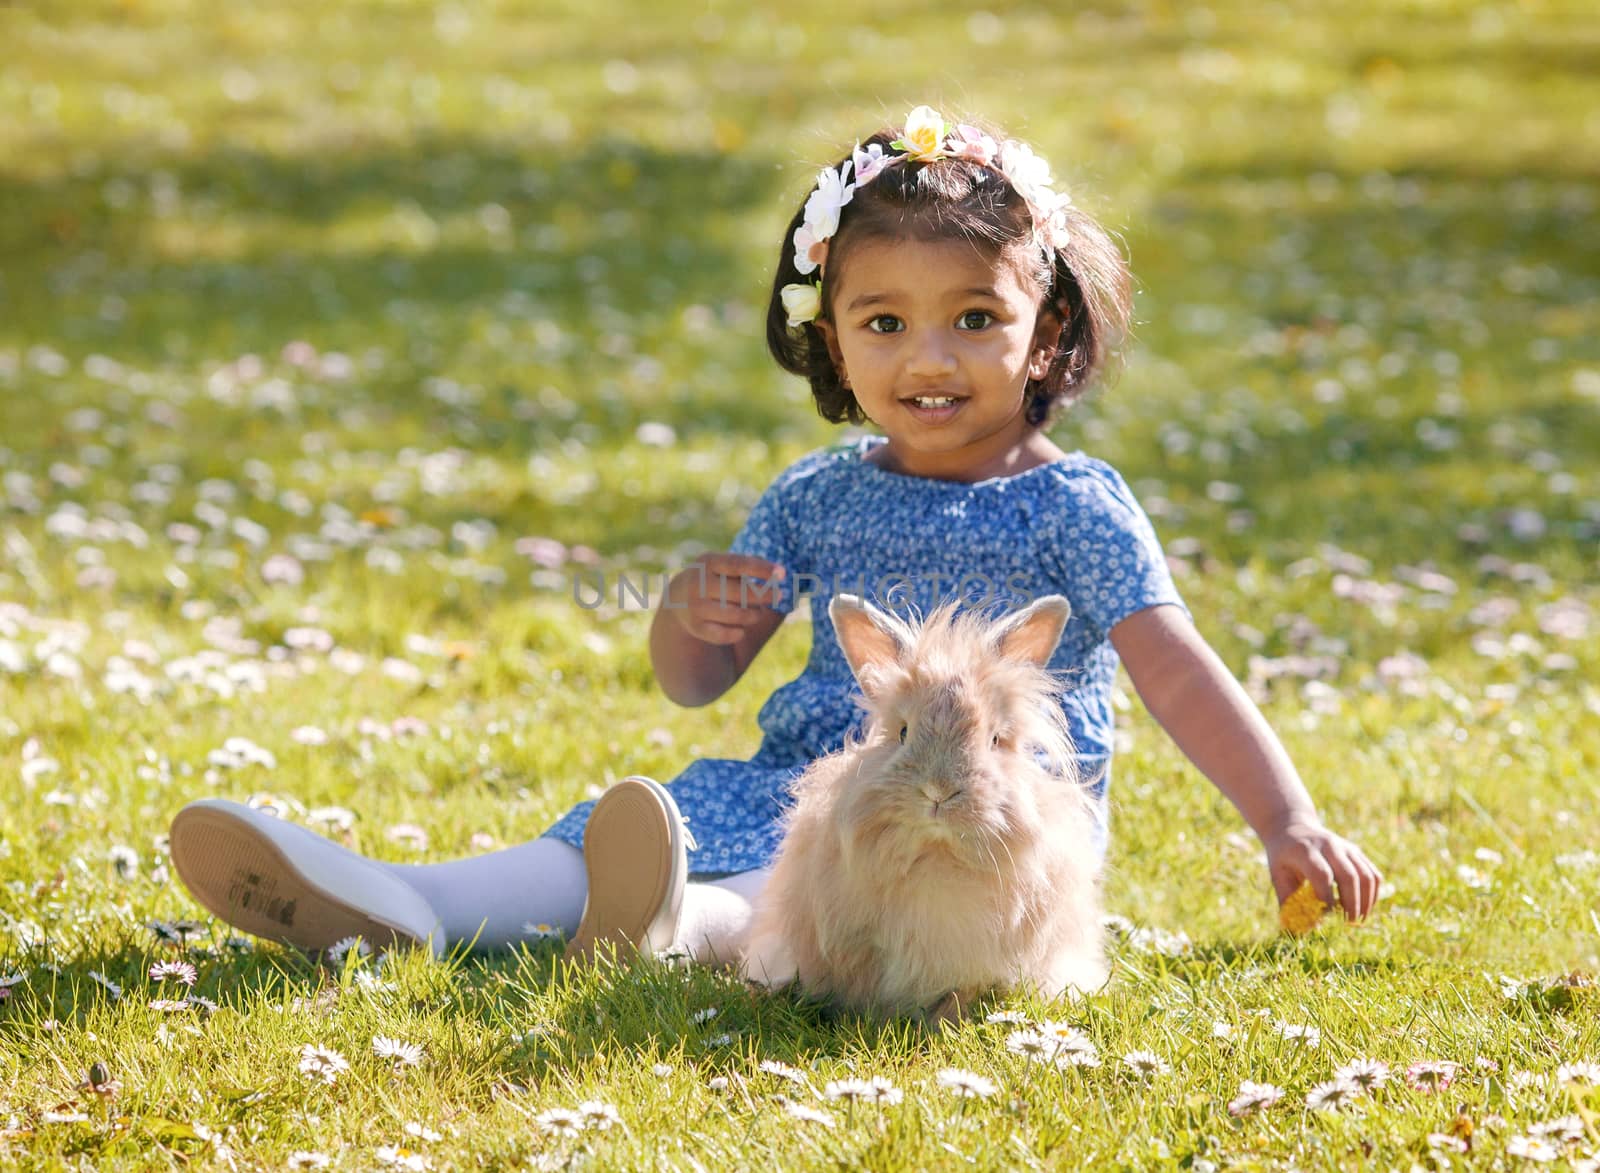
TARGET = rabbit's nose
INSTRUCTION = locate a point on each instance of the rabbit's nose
(939, 795)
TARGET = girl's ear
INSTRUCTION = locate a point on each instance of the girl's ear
(830, 337)
(1046, 339)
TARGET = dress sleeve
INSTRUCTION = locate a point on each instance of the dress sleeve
(1108, 558)
(766, 533)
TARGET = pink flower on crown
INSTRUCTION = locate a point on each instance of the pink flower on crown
(869, 162)
(971, 144)
(810, 254)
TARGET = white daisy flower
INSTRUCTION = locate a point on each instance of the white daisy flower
(1331, 1095)
(559, 1122)
(598, 1115)
(1561, 1130)
(1367, 1074)
(335, 954)
(876, 1090)
(1007, 1018)
(10, 981)
(1532, 1148)
(421, 1131)
(178, 971)
(1146, 1064)
(106, 983)
(540, 930)
(1585, 1073)
(322, 1063)
(1254, 1097)
(782, 1071)
(400, 1157)
(1030, 1043)
(809, 1115)
(1221, 1029)
(702, 1016)
(1077, 1058)
(169, 1005)
(397, 1051)
(966, 1084)
(1308, 1036)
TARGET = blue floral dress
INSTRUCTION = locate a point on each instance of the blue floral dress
(838, 522)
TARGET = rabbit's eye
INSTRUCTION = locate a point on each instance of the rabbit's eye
(903, 728)
(994, 742)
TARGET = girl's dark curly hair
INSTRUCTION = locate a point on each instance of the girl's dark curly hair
(952, 199)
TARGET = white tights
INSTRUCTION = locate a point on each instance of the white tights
(487, 899)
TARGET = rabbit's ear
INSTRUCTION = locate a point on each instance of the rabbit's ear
(870, 639)
(1031, 634)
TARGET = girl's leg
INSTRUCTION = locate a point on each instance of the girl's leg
(715, 921)
(489, 899)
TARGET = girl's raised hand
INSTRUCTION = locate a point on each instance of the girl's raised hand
(1312, 853)
(719, 596)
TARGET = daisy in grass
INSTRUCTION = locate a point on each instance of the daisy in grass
(1533, 1148)
(1523, 1080)
(335, 954)
(106, 983)
(966, 1084)
(559, 1122)
(876, 1090)
(1146, 1064)
(1431, 1075)
(1007, 1018)
(1561, 1130)
(808, 1114)
(1065, 1036)
(1447, 1142)
(178, 971)
(540, 931)
(1583, 1073)
(421, 1131)
(1306, 1036)
(598, 1115)
(1254, 1097)
(703, 1016)
(322, 1063)
(1367, 1074)
(1331, 1096)
(1030, 1044)
(305, 1159)
(397, 1051)
(9, 981)
(782, 1071)
(394, 1156)
(170, 1005)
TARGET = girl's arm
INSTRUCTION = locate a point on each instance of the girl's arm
(712, 620)
(1189, 690)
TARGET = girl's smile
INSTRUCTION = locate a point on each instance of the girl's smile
(937, 342)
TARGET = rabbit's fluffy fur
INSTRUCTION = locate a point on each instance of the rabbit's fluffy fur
(931, 867)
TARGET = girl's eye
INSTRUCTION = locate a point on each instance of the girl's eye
(890, 318)
(984, 317)
(903, 734)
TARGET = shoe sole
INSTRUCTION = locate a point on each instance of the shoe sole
(243, 869)
(623, 828)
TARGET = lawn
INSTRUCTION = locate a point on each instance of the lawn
(335, 338)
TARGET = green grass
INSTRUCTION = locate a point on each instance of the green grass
(270, 270)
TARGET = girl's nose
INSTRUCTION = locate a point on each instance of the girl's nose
(930, 354)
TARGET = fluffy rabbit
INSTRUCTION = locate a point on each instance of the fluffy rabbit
(947, 851)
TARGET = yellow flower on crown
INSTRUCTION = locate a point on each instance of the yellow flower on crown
(923, 137)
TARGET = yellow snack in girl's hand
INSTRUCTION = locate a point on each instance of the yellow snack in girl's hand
(1301, 912)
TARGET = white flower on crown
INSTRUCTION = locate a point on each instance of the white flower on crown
(922, 137)
(834, 190)
(801, 302)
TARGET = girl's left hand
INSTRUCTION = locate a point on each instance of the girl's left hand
(1309, 851)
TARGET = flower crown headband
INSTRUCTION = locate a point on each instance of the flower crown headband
(925, 138)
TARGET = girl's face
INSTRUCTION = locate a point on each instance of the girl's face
(937, 343)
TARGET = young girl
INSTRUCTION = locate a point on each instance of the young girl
(936, 285)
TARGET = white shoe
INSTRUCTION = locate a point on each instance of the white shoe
(635, 852)
(277, 880)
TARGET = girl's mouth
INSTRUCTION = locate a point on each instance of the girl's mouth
(933, 409)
